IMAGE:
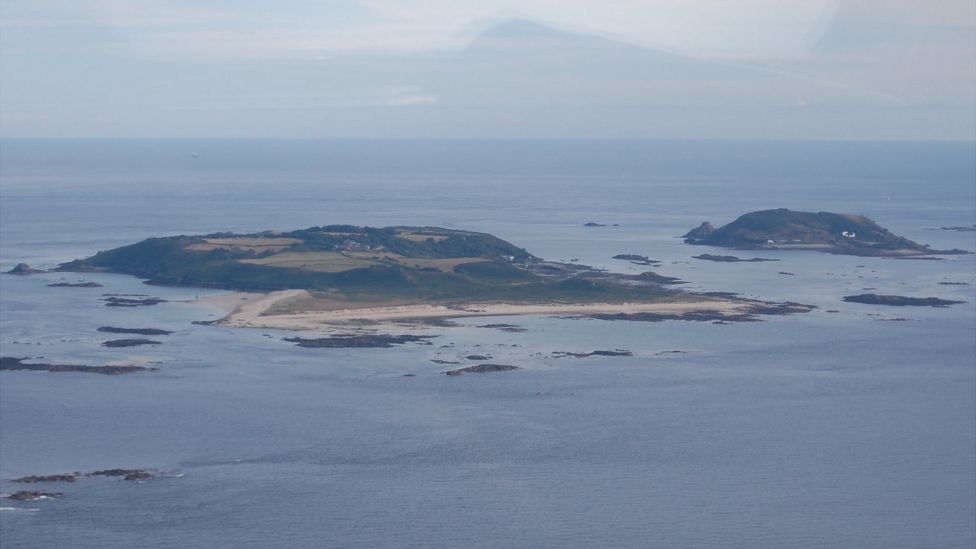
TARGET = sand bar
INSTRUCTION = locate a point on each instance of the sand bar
(253, 312)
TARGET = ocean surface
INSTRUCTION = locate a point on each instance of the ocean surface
(850, 426)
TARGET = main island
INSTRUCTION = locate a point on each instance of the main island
(342, 275)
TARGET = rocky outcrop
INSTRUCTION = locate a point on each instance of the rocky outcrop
(32, 495)
(481, 369)
(116, 343)
(730, 258)
(615, 352)
(354, 341)
(12, 363)
(114, 301)
(137, 331)
(900, 300)
(23, 269)
(700, 232)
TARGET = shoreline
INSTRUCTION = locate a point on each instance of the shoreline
(251, 311)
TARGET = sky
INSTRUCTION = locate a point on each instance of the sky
(570, 69)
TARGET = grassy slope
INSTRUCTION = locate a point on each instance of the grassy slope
(166, 261)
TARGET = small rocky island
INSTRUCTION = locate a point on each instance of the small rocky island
(784, 229)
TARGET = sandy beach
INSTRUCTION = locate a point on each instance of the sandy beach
(252, 312)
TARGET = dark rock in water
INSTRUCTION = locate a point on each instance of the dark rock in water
(481, 369)
(726, 295)
(961, 229)
(29, 495)
(900, 300)
(126, 474)
(637, 259)
(129, 342)
(593, 224)
(752, 313)
(787, 273)
(132, 302)
(138, 331)
(504, 327)
(730, 258)
(31, 479)
(352, 341)
(75, 285)
(477, 357)
(615, 352)
(954, 283)
(700, 232)
(23, 269)
(12, 363)
(440, 361)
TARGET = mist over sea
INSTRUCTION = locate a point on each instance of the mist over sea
(851, 426)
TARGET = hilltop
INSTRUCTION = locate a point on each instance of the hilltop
(783, 229)
(368, 264)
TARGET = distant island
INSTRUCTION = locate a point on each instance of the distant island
(784, 229)
(343, 273)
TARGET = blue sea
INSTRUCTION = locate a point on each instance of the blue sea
(850, 426)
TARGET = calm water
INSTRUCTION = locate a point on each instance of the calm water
(831, 429)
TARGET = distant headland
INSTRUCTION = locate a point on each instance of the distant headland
(784, 229)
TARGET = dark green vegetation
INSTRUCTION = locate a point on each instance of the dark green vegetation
(366, 264)
(824, 231)
(900, 300)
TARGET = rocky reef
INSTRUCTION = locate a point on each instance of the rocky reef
(730, 258)
(116, 343)
(75, 285)
(136, 331)
(481, 369)
(900, 300)
(357, 341)
(13, 363)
